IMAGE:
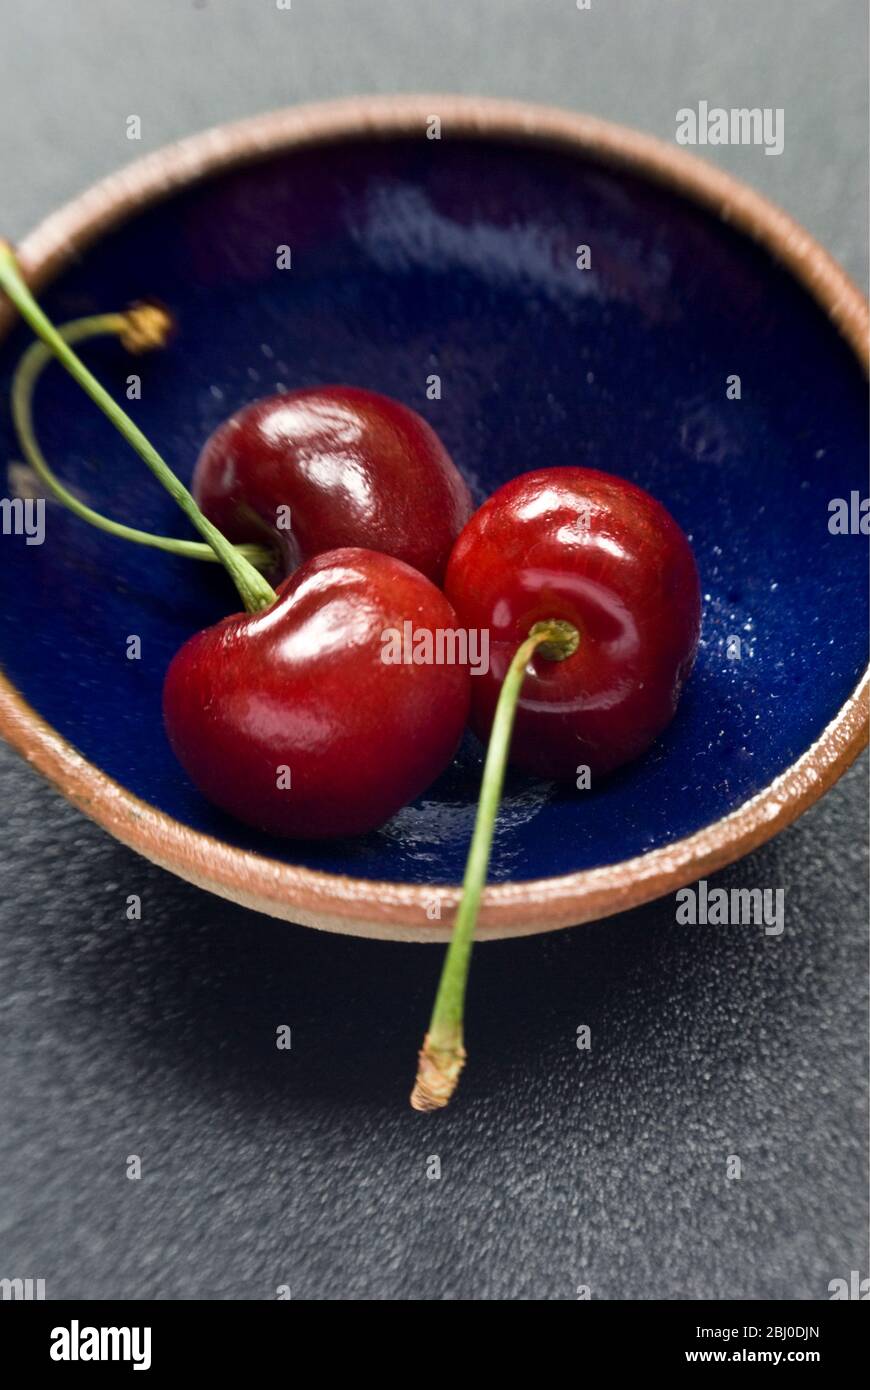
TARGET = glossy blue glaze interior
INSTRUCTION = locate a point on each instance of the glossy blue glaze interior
(458, 257)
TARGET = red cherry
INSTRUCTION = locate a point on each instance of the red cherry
(353, 467)
(303, 686)
(599, 553)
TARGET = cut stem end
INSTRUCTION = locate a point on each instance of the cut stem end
(147, 327)
(438, 1073)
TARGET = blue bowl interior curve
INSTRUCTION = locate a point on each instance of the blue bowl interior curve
(458, 257)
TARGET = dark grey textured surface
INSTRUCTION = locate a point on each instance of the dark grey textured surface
(156, 1038)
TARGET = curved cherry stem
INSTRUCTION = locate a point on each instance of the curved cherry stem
(442, 1055)
(24, 382)
(256, 593)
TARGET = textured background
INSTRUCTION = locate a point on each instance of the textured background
(156, 1038)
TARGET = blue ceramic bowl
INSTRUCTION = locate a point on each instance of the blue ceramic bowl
(458, 257)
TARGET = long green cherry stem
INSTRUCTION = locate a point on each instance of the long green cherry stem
(128, 327)
(255, 592)
(442, 1055)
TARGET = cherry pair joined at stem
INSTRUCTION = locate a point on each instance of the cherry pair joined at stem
(310, 733)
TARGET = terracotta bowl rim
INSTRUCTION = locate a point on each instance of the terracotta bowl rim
(398, 911)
